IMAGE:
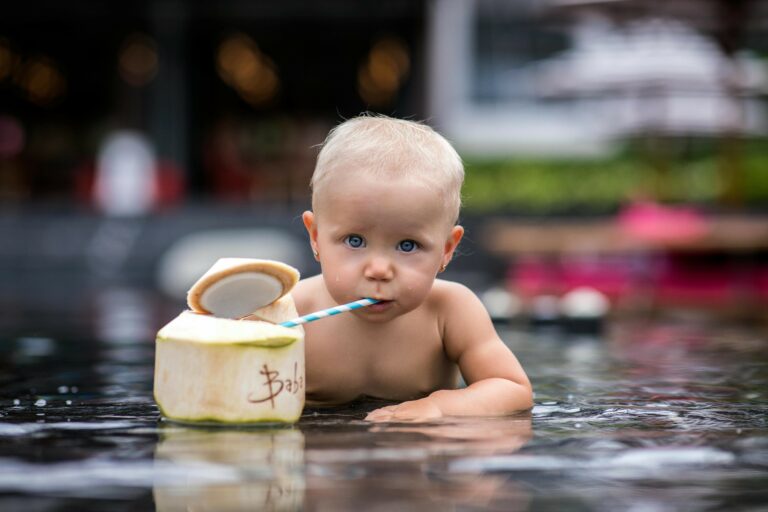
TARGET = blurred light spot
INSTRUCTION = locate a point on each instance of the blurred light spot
(36, 346)
(234, 53)
(383, 72)
(42, 81)
(500, 303)
(11, 137)
(6, 58)
(246, 69)
(125, 175)
(584, 302)
(138, 60)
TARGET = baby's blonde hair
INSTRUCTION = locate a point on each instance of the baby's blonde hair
(385, 147)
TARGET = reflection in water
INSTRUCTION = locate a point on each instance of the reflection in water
(407, 466)
(261, 469)
(486, 436)
(312, 467)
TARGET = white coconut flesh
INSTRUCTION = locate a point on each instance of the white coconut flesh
(200, 328)
(238, 295)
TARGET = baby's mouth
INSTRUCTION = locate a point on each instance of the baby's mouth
(381, 305)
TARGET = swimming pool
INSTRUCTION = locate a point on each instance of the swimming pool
(669, 414)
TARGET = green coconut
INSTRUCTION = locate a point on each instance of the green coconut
(219, 370)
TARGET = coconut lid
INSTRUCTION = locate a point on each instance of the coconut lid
(236, 287)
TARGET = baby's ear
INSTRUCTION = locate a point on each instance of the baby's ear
(457, 232)
(309, 222)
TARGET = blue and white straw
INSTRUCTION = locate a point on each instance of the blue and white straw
(329, 312)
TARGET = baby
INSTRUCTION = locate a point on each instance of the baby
(386, 195)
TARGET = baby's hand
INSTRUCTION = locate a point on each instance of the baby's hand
(414, 410)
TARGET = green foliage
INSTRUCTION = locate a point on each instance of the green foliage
(687, 171)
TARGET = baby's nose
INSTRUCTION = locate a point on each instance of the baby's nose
(379, 269)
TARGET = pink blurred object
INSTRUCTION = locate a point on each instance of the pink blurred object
(652, 222)
(534, 276)
(610, 276)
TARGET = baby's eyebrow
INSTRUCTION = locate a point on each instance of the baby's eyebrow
(347, 230)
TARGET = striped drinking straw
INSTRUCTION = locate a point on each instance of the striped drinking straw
(329, 312)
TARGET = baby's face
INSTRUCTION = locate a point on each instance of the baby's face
(382, 239)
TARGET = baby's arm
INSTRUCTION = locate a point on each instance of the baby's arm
(496, 382)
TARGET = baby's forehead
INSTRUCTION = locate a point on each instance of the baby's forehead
(371, 187)
(390, 217)
(362, 178)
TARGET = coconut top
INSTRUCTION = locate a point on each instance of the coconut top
(201, 328)
(236, 287)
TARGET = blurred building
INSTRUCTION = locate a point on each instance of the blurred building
(234, 95)
(574, 76)
(211, 113)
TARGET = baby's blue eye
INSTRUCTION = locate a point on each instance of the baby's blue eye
(407, 246)
(354, 241)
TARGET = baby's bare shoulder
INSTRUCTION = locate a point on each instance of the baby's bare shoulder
(465, 323)
(450, 294)
(449, 300)
(308, 294)
(309, 282)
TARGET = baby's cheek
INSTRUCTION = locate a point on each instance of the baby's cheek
(418, 286)
(339, 287)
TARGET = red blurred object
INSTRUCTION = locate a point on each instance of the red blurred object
(761, 284)
(683, 279)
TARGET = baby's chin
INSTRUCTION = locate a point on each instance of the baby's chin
(373, 319)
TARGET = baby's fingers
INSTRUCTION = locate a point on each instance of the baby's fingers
(381, 414)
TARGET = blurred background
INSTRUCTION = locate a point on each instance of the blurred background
(616, 150)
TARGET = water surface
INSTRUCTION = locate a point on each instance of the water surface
(647, 416)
